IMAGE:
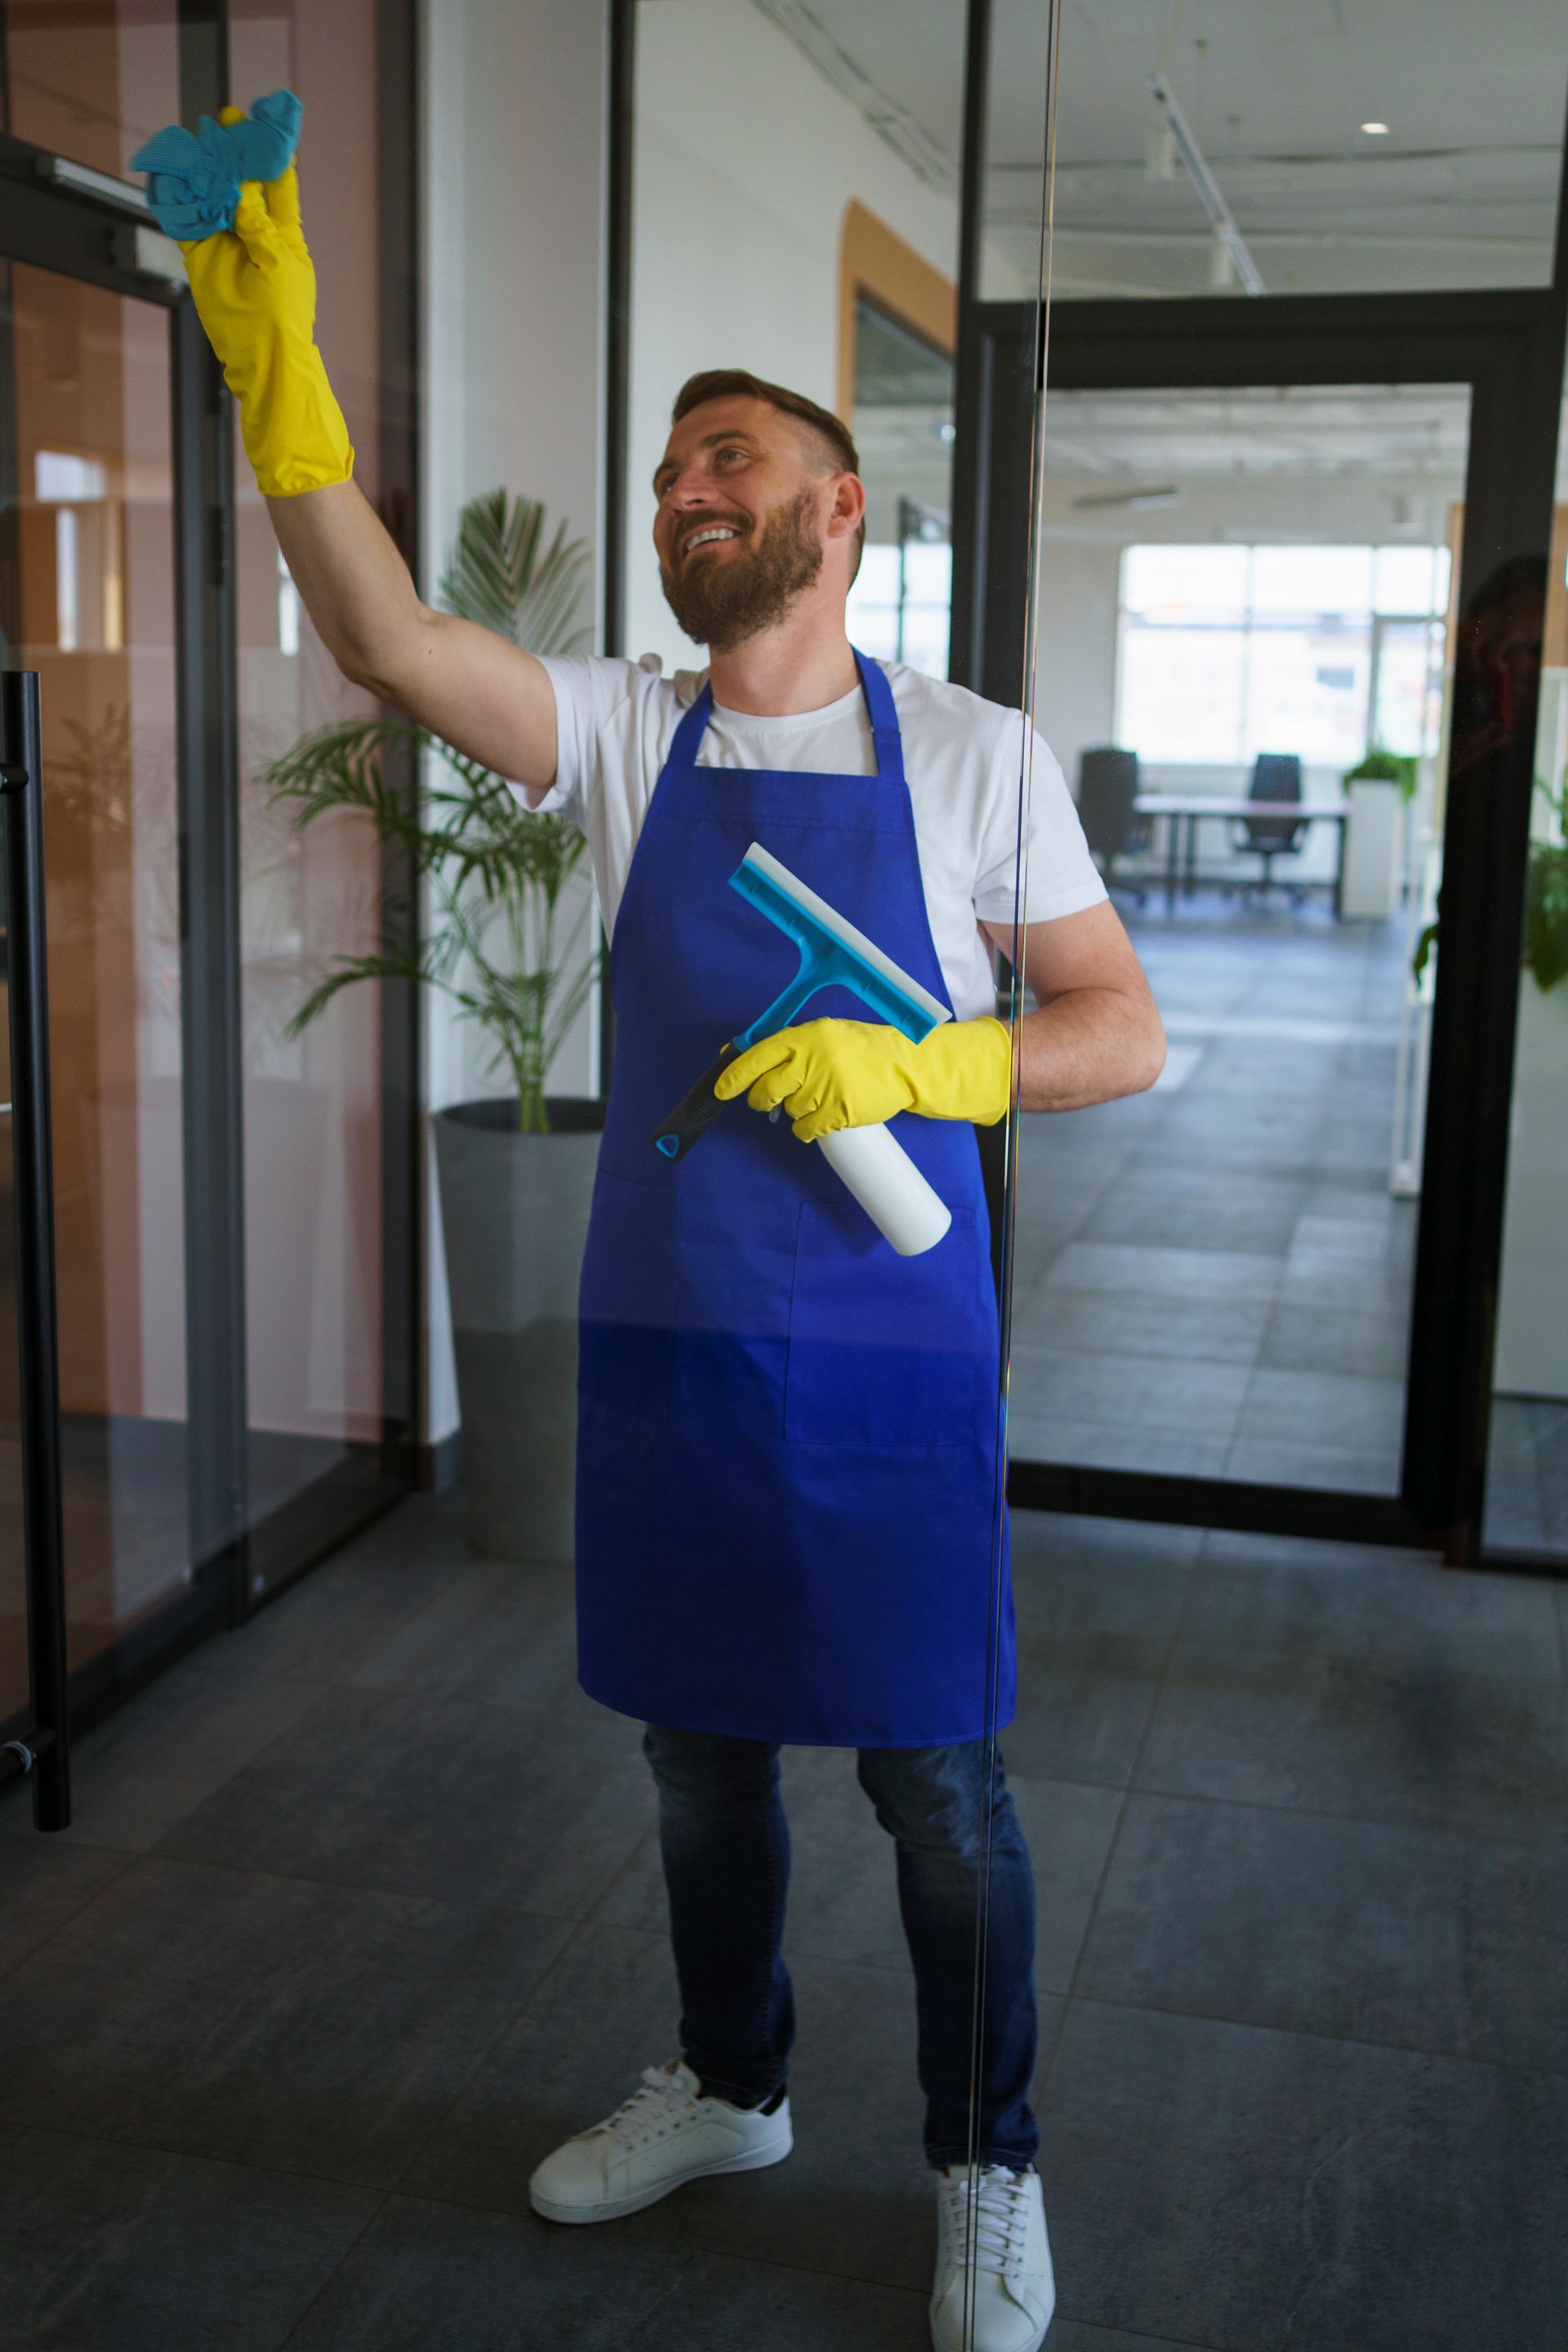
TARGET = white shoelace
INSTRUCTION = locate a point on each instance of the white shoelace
(652, 2109)
(1001, 2214)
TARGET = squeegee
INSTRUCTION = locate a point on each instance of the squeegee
(833, 954)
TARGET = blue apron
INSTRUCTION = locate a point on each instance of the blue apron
(788, 1438)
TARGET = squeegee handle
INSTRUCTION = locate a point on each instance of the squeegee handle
(695, 1112)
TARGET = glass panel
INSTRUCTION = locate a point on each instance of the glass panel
(1215, 1276)
(312, 1100)
(91, 83)
(1527, 1476)
(750, 1327)
(1341, 160)
(96, 619)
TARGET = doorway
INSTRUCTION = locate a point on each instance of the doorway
(1258, 1296)
(234, 1217)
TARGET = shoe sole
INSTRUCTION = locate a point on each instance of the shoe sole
(757, 2162)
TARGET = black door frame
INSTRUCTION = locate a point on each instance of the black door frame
(1508, 348)
(52, 222)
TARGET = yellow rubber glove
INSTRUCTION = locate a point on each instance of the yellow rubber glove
(254, 289)
(834, 1074)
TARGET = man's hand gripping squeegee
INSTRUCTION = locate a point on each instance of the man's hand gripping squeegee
(833, 954)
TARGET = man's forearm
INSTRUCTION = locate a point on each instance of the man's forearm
(1088, 1045)
(352, 582)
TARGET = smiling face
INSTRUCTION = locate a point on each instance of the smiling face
(751, 510)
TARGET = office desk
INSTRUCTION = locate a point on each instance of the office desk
(1188, 807)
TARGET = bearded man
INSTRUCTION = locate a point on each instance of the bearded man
(788, 1473)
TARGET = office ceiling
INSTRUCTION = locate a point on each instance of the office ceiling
(1417, 433)
(1461, 192)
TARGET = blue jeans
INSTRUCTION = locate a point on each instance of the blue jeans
(726, 1864)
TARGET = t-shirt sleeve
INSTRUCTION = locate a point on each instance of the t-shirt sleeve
(1062, 878)
(588, 690)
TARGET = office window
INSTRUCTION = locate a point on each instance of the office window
(1223, 652)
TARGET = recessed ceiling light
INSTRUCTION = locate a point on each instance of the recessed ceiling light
(1375, 130)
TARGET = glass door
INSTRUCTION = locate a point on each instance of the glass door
(90, 607)
(1245, 600)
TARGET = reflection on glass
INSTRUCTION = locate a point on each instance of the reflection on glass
(91, 83)
(1214, 1278)
(312, 1102)
(1348, 163)
(1527, 1477)
(96, 620)
(903, 428)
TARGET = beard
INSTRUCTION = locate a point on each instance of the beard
(721, 601)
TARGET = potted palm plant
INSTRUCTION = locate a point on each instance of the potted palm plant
(511, 939)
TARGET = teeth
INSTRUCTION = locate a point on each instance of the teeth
(704, 537)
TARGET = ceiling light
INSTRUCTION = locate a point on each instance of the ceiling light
(1375, 130)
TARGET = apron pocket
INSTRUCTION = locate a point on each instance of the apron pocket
(627, 1333)
(888, 1351)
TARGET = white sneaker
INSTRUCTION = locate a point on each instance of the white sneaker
(1009, 2294)
(664, 2133)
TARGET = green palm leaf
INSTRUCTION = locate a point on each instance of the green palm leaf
(504, 941)
(503, 576)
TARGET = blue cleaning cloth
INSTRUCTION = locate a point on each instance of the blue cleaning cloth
(195, 175)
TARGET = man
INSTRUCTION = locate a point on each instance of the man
(787, 1475)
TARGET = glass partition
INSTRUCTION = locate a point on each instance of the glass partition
(312, 1097)
(91, 83)
(790, 1545)
(1245, 607)
(94, 542)
(1527, 1476)
(1281, 152)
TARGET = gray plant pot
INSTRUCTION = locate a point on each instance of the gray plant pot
(514, 1213)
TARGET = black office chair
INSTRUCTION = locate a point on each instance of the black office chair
(1106, 788)
(1276, 776)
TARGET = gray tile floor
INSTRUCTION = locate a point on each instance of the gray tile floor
(1213, 1278)
(361, 1912)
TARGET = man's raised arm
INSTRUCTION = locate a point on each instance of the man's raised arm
(469, 686)
(255, 291)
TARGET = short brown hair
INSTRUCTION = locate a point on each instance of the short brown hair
(835, 441)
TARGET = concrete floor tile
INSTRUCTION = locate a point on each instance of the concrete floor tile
(1464, 1752)
(1183, 1273)
(1035, 1437)
(1399, 1610)
(134, 1777)
(433, 2274)
(106, 2248)
(433, 1796)
(262, 2020)
(1121, 1323)
(1334, 1339)
(1310, 1408)
(504, 1632)
(1240, 2187)
(44, 1883)
(1152, 1395)
(1352, 1929)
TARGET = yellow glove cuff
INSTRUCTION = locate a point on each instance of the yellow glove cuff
(964, 1070)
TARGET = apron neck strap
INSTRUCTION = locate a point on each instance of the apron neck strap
(885, 735)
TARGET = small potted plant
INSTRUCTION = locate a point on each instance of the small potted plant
(1546, 897)
(1380, 767)
(511, 938)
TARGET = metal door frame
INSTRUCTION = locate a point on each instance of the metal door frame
(54, 217)
(1508, 348)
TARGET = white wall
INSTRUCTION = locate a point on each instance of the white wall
(1079, 575)
(514, 292)
(745, 158)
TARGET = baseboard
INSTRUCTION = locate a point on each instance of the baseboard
(437, 1467)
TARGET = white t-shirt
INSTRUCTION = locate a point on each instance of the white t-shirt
(963, 763)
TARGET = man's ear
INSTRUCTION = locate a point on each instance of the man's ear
(848, 511)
